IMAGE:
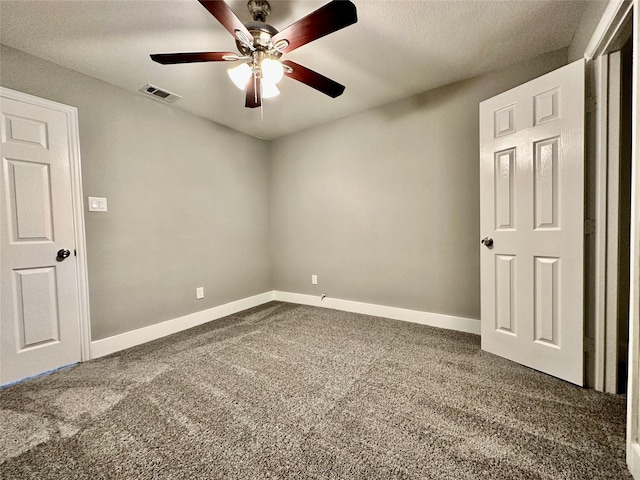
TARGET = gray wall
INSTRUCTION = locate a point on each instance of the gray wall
(586, 27)
(383, 205)
(188, 200)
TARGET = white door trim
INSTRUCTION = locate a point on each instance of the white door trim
(78, 208)
(600, 69)
(633, 388)
(609, 27)
(612, 229)
(605, 38)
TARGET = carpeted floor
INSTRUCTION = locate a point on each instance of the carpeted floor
(288, 391)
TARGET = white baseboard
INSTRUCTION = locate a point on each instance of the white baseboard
(106, 346)
(469, 325)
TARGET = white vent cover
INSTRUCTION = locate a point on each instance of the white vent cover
(159, 94)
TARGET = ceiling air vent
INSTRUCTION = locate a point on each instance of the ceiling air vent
(159, 94)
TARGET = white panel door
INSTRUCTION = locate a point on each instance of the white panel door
(531, 209)
(39, 328)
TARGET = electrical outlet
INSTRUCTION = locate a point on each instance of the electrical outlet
(199, 293)
(314, 279)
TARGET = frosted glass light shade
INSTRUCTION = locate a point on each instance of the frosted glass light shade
(240, 75)
(269, 90)
(272, 71)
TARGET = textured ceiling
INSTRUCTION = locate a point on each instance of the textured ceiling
(398, 48)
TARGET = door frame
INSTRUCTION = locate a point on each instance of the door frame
(610, 27)
(82, 279)
(633, 397)
(607, 37)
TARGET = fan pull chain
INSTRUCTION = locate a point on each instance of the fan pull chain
(261, 104)
(255, 88)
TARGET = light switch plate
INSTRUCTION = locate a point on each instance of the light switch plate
(97, 204)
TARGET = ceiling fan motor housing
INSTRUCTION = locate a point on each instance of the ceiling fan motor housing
(262, 34)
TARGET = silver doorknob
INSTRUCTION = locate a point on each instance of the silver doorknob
(487, 242)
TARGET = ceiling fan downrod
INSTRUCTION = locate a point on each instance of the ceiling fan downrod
(259, 10)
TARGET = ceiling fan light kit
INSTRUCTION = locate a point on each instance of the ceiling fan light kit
(240, 75)
(261, 46)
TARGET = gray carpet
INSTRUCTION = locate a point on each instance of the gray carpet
(289, 391)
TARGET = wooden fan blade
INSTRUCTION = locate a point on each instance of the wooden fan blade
(223, 13)
(172, 58)
(327, 19)
(313, 79)
(253, 92)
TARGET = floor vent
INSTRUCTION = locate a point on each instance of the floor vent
(159, 94)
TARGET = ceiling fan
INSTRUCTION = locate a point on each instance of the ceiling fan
(261, 46)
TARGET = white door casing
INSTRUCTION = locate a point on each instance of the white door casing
(633, 386)
(531, 205)
(42, 298)
(610, 35)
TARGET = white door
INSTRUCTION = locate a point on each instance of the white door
(39, 328)
(531, 209)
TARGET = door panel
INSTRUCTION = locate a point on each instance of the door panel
(504, 187)
(545, 179)
(532, 196)
(546, 300)
(27, 184)
(37, 302)
(505, 291)
(24, 130)
(40, 328)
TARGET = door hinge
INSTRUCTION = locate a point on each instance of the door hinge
(590, 104)
(589, 227)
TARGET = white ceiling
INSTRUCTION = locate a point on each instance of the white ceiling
(398, 48)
